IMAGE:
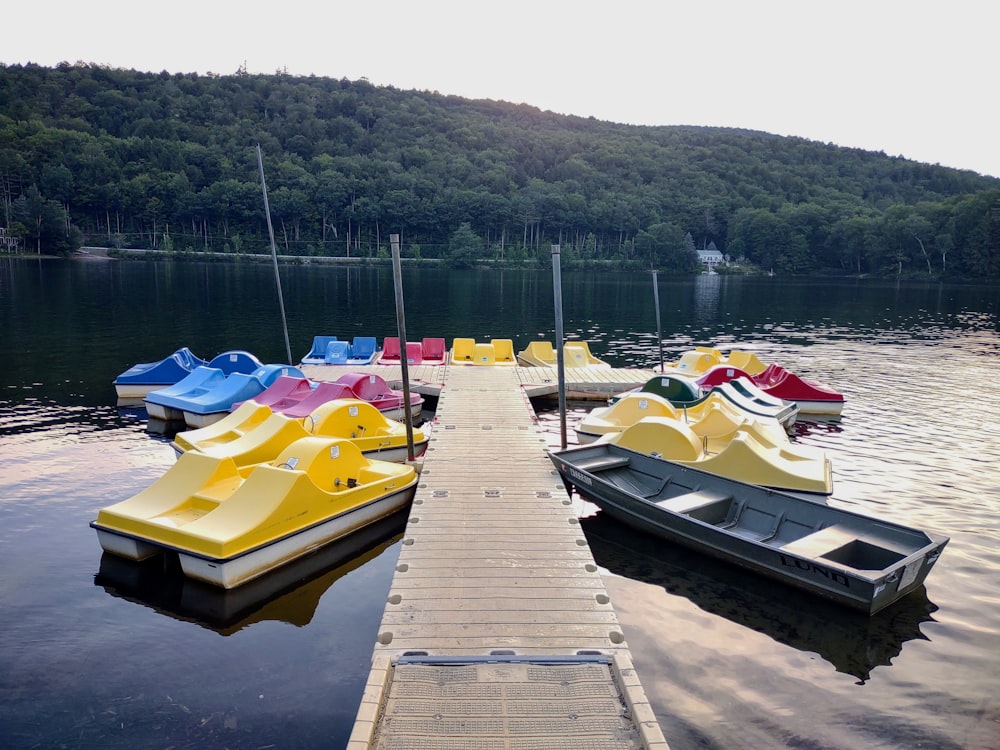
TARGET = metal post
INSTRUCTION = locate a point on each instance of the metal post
(656, 304)
(401, 330)
(560, 364)
(274, 256)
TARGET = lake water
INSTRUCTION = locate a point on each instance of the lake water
(98, 653)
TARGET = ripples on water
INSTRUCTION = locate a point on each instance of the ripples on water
(101, 652)
(97, 653)
(918, 443)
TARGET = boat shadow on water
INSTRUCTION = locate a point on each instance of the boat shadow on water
(854, 643)
(816, 425)
(289, 594)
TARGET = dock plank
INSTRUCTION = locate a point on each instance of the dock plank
(494, 573)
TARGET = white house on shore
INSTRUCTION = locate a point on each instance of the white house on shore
(8, 243)
(710, 257)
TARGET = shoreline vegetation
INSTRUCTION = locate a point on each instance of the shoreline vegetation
(103, 254)
(169, 162)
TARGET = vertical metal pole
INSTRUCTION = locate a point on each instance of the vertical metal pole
(401, 330)
(656, 304)
(560, 364)
(274, 255)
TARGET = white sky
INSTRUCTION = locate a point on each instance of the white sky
(907, 77)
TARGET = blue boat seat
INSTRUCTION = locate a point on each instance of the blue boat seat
(337, 353)
(317, 355)
(363, 347)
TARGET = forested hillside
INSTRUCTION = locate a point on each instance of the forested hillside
(123, 158)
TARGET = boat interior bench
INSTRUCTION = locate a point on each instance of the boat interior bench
(709, 507)
(738, 517)
(849, 547)
(820, 542)
(602, 463)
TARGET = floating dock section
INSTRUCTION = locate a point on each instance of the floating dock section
(498, 632)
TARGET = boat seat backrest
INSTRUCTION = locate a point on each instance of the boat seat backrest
(746, 361)
(542, 350)
(710, 351)
(337, 352)
(268, 374)
(283, 386)
(347, 418)
(354, 381)
(638, 405)
(329, 462)
(363, 347)
(367, 386)
(434, 348)
(187, 359)
(319, 345)
(484, 354)
(717, 422)
(328, 391)
(463, 350)
(696, 361)
(576, 355)
(390, 348)
(235, 361)
(503, 350)
(772, 374)
(662, 436)
(414, 353)
(201, 376)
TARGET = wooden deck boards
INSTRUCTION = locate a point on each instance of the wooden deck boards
(582, 383)
(495, 577)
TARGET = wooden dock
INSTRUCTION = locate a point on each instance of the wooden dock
(498, 632)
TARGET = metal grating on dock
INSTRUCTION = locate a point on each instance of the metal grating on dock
(505, 704)
(498, 631)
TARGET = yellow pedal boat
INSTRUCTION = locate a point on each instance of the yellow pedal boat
(741, 454)
(713, 416)
(703, 358)
(253, 434)
(227, 528)
(543, 354)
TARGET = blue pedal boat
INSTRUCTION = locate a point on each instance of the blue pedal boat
(210, 405)
(206, 388)
(138, 380)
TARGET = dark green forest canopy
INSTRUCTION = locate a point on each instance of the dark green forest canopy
(125, 158)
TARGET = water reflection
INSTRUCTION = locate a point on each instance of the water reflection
(289, 594)
(119, 675)
(816, 425)
(707, 294)
(853, 643)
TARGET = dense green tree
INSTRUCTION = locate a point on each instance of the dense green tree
(131, 157)
(465, 247)
(45, 223)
